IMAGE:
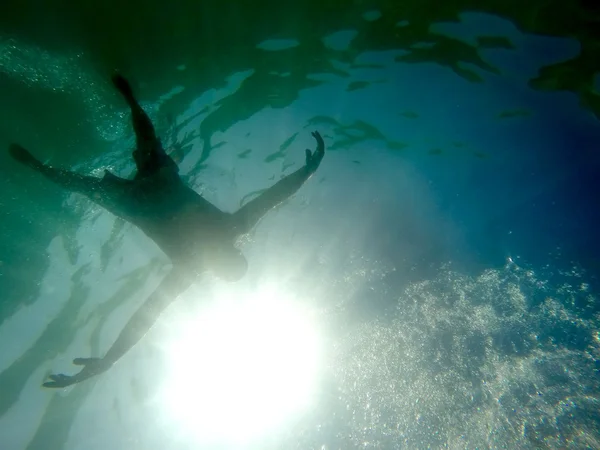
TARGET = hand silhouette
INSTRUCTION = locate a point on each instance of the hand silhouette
(314, 159)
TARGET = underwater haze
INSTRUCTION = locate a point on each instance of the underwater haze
(433, 285)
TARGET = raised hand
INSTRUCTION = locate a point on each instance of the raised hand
(313, 159)
(91, 367)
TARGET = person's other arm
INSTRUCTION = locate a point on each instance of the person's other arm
(247, 216)
(173, 285)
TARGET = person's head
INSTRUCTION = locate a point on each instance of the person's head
(228, 263)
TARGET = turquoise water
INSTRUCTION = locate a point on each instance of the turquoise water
(433, 285)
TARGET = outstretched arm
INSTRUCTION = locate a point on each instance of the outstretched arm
(247, 216)
(140, 323)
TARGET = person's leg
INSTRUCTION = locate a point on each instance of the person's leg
(144, 130)
(109, 192)
(64, 178)
(149, 155)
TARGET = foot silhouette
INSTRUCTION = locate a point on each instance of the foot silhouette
(23, 156)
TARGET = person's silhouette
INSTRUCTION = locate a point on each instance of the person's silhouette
(196, 235)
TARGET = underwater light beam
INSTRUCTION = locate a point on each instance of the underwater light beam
(241, 367)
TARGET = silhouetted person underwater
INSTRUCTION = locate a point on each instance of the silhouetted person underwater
(194, 234)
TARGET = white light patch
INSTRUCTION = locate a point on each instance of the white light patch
(242, 367)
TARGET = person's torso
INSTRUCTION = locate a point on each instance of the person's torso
(180, 221)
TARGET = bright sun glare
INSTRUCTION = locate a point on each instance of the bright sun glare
(241, 366)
